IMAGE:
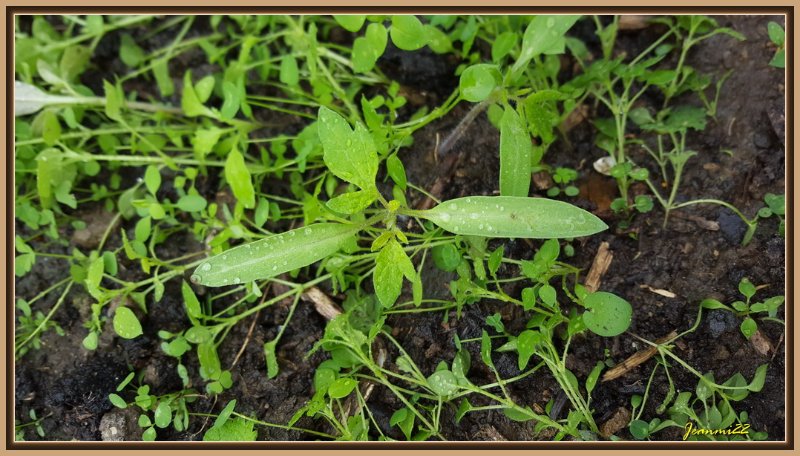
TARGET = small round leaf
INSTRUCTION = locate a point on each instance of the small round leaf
(608, 315)
(126, 324)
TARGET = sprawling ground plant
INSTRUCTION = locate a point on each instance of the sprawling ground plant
(277, 159)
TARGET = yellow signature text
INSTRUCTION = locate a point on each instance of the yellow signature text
(691, 430)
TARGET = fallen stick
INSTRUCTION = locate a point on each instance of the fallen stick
(635, 359)
(600, 264)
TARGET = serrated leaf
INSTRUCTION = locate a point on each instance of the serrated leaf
(391, 265)
(349, 154)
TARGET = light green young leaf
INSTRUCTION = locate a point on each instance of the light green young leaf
(129, 52)
(190, 102)
(544, 35)
(443, 383)
(478, 81)
(233, 430)
(163, 80)
(289, 73)
(114, 101)
(126, 325)
(396, 171)
(350, 22)
(515, 155)
(238, 177)
(349, 154)
(407, 32)
(367, 49)
(231, 100)
(274, 255)
(513, 217)
(163, 415)
(353, 202)
(391, 265)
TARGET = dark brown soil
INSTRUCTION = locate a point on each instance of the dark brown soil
(71, 384)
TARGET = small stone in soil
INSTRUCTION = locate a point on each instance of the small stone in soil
(119, 425)
(721, 321)
(731, 226)
(762, 140)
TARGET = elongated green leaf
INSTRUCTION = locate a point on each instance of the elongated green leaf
(349, 154)
(29, 99)
(515, 155)
(513, 217)
(238, 177)
(273, 255)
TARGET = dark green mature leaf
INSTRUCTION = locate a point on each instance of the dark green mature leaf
(607, 314)
(515, 155)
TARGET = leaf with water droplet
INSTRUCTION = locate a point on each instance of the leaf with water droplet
(514, 217)
(274, 255)
(350, 154)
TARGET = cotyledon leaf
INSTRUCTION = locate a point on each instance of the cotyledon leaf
(273, 255)
(513, 217)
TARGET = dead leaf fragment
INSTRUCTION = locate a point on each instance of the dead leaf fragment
(617, 422)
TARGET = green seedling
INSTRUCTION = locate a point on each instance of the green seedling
(169, 409)
(776, 205)
(564, 178)
(351, 155)
(749, 311)
(778, 38)
(36, 423)
(715, 399)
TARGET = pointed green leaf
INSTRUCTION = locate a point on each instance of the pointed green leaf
(513, 217)
(238, 177)
(515, 155)
(349, 154)
(274, 255)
